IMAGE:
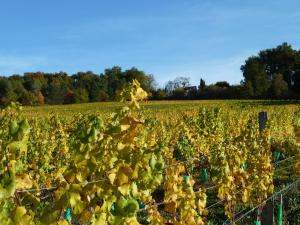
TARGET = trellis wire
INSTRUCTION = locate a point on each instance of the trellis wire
(292, 185)
(283, 160)
(101, 180)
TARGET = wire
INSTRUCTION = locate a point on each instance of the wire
(292, 185)
(208, 188)
(213, 205)
(166, 202)
(286, 167)
(97, 181)
(283, 160)
(55, 187)
(217, 203)
(101, 180)
(37, 189)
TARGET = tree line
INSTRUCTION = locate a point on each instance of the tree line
(60, 88)
(272, 74)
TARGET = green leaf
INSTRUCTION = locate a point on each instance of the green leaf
(13, 128)
(20, 217)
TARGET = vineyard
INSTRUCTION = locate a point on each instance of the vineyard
(216, 164)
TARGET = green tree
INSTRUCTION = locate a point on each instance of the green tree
(296, 79)
(179, 94)
(202, 86)
(279, 86)
(114, 81)
(283, 59)
(159, 94)
(261, 70)
(56, 88)
(223, 84)
(34, 82)
(28, 98)
(81, 95)
(147, 81)
(7, 93)
(247, 90)
(255, 75)
(101, 96)
(215, 92)
(5, 86)
(91, 82)
(98, 91)
(17, 86)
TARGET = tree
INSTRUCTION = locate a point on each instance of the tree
(261, 70)
(151, 83)
(180, 84)
(296, 79)
(9, 97)
(216, 92)
(202, 86)
(33, 82)
(40, 98)
(247, 90)
(7, 93)
(28, 98)
(159, 94)
(98, 91)
(256, 76)
(17, 86)
(102, 96)
(179, 94)
(81, 95)
(147, 81)
(57, 86)
(5, 86)
(223, 84)
(279, 86)
(283, 59)
(91, 82)
(169, 87)
(114, 81)
(69, 97)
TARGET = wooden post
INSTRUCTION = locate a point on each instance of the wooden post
(262, 119)
(266, 213)
(267, 216)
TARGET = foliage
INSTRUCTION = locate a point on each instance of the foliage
(138, 167)
(260, 71)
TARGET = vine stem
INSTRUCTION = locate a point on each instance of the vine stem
(6, 161)
(17, 199)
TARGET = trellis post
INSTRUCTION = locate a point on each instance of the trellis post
(266, 213)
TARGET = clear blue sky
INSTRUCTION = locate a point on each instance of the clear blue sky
(167, 38)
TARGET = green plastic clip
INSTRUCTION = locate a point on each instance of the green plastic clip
(68, 214)
(204, 175)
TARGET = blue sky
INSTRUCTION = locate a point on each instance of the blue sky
(166, 38)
